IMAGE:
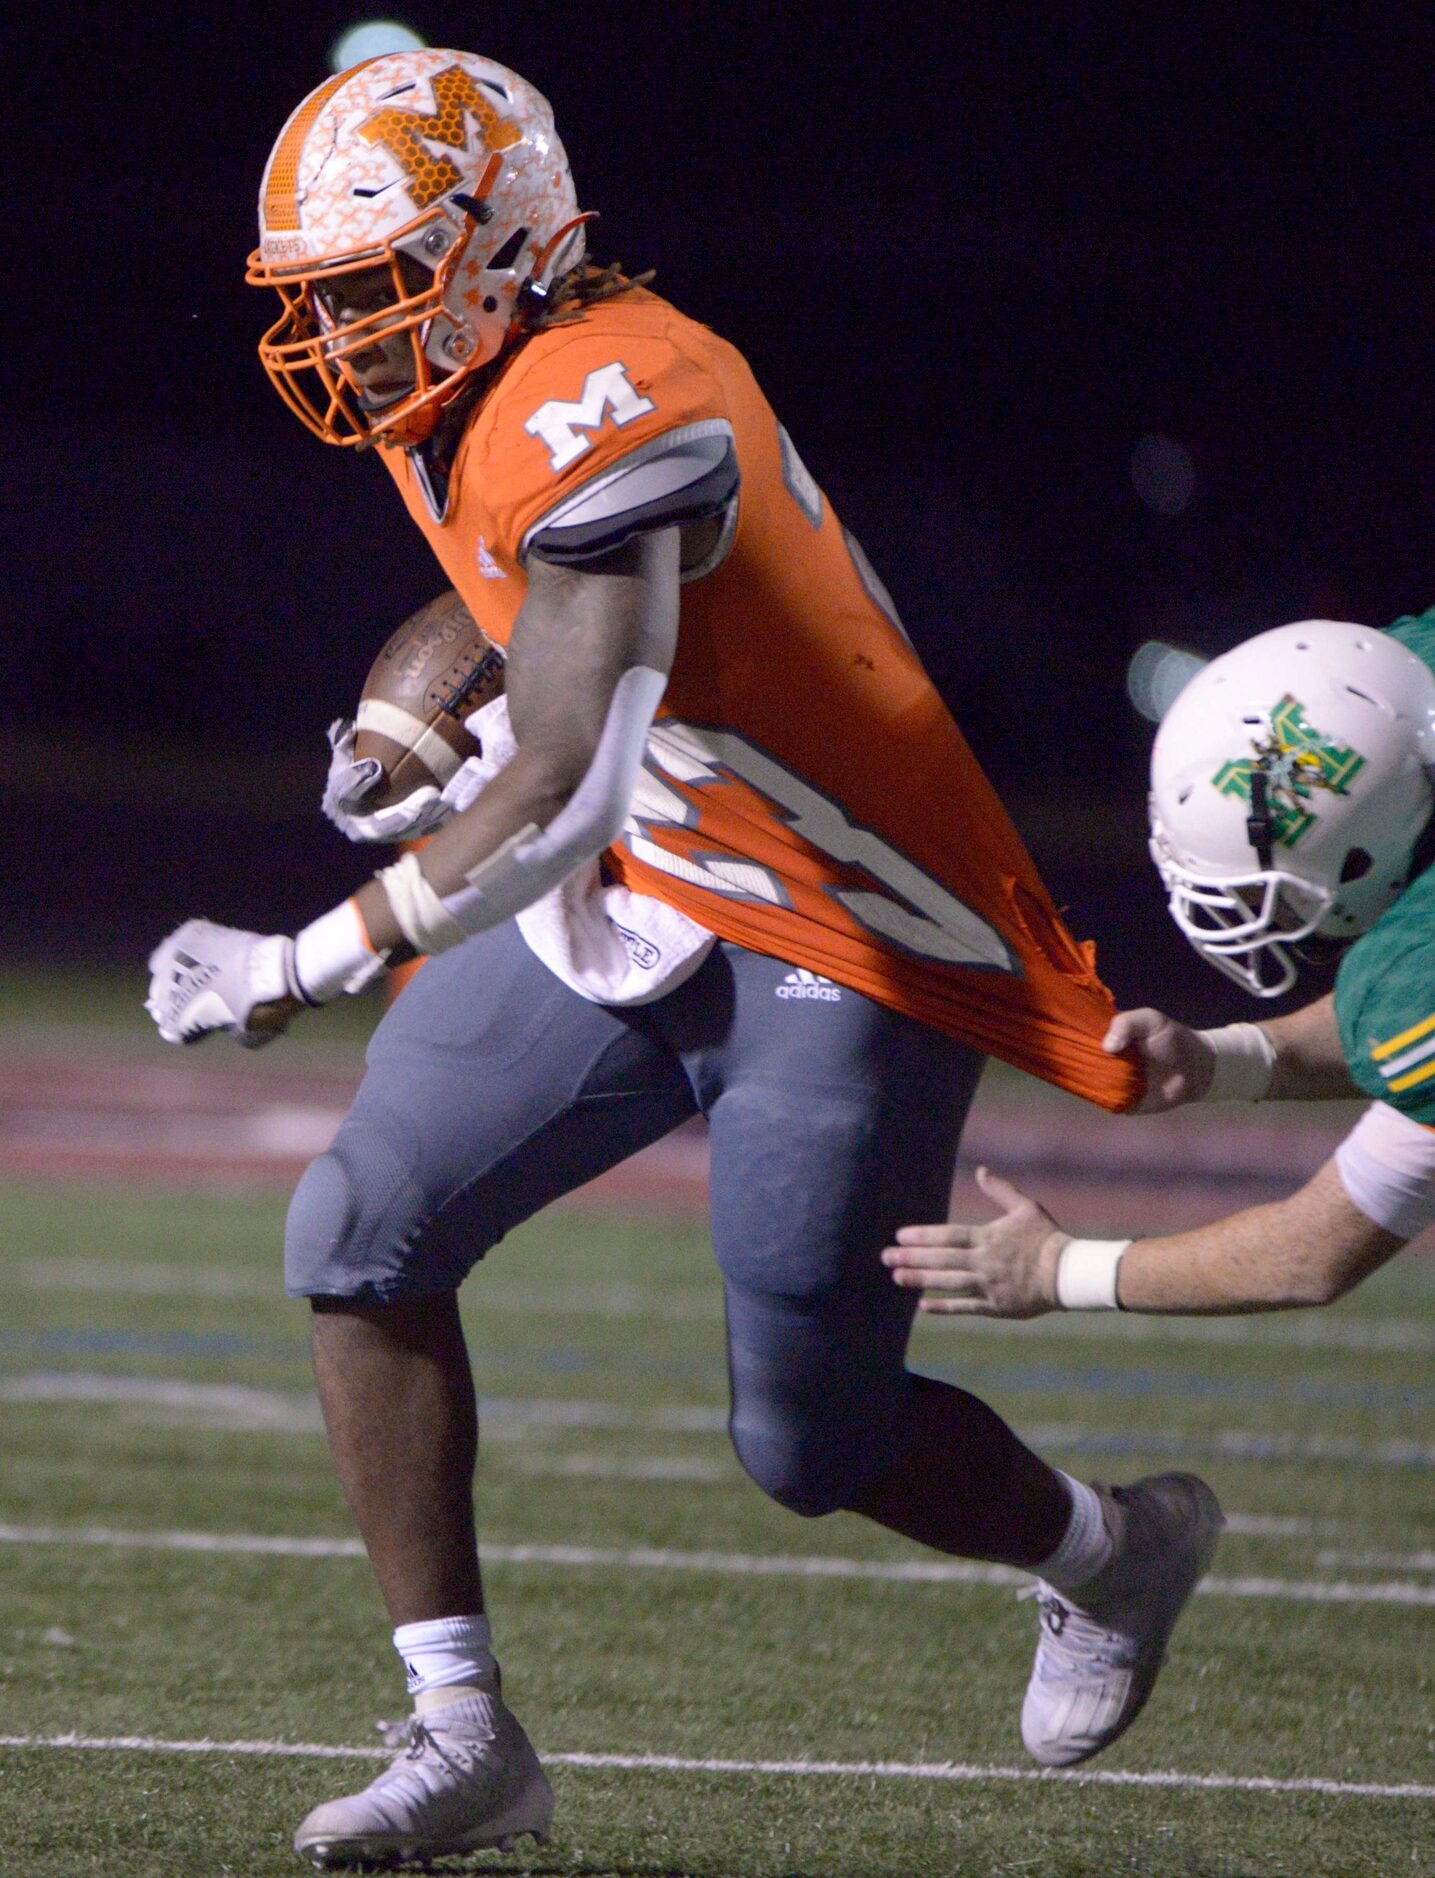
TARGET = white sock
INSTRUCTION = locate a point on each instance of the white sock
(445, 1653)
(1085, 1545)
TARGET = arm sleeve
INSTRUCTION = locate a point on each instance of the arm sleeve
(534, 861)
(1387, 1167)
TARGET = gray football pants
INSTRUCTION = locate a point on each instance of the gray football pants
(492, 1089)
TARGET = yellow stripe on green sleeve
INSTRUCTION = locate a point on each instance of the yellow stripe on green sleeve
(1416, 1031)
(1423, 1074)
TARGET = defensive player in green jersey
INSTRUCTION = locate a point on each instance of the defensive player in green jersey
(1290, 804)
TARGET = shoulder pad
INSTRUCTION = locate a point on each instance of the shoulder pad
(684, 475)
(585, 402)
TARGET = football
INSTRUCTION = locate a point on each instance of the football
(436, 670)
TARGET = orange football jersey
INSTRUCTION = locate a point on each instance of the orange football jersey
(806, 792)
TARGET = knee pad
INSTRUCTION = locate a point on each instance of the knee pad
(803, 1469)
(352, 1220)
(319, 1220)
(815, 1437)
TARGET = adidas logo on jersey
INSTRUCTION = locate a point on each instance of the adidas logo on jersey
(487, 566)
(805, 984)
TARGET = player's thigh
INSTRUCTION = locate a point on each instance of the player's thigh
(834, 1121)
(491, 1089)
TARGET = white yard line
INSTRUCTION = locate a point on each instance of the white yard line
(675, 1467)
(681, 1764)
(697, 1304)
(1283, 1525)
(230, 1406)
(1378, 1561)
(737, 1564)
(1271, 1330)
(1237, 1444)
(241, 1410)
(281, 1132)
(149, 1278)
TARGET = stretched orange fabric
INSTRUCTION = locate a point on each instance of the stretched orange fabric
(807, 793)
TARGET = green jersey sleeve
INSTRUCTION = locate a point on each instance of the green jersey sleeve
(1416, 632)
(1385, 989)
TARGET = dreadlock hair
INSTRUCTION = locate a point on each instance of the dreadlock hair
(581, 287)
(568, 299)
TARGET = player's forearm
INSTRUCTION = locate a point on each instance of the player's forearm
(1310, 1061)
(586, 670)
(507, 850)
(1308, 1249)
(529, 794)
(1233, 1266)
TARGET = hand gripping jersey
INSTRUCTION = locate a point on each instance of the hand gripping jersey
(1385, 989)
(806, 793)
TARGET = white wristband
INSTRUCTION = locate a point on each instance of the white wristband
(1086, 1274)
(1245, 1061)
(333, 954)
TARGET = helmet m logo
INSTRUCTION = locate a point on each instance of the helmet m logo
(559, 421)
(407, 134)
(1297, 761)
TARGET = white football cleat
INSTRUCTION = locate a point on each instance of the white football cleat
(468, 1778)
(1099, 1652)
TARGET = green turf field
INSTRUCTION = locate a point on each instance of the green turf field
(156, 1384)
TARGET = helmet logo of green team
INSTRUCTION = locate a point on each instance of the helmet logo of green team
(1297, 761)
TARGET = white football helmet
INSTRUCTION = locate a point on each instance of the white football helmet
(442, 170)
(1290, 782)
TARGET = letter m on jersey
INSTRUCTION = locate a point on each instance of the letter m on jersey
(560, 420)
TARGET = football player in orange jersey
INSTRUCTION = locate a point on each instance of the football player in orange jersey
(708, 688)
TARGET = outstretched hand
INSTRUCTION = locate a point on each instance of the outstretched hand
(1006, 1268)
(1178, 1062)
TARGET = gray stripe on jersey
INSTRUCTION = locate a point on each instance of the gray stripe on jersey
(666, 473)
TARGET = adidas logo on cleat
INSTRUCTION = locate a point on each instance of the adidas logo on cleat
(805, 984)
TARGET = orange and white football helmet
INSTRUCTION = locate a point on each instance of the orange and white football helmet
(445, 170)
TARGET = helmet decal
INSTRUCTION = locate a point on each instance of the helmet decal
(406, 131)
(1293, 761)
(281, 184)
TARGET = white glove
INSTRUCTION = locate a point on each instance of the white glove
(351, 779)
(489, 723)
(206, 977)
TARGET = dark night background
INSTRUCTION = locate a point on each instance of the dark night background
(976, 254)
